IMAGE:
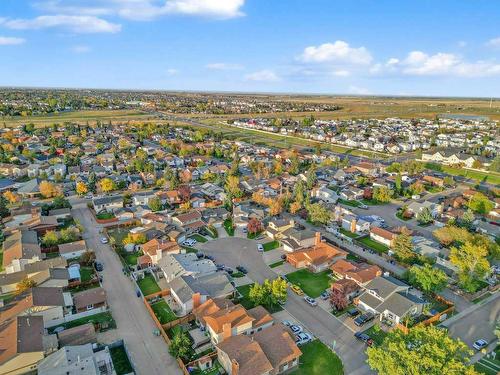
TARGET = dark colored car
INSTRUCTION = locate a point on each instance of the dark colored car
(363, 319)
(364, 337)
(283, 257)
(353, 313)
(229, 270)
(200, 255)
(242, 269)
(98, 266)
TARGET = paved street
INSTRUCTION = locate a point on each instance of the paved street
(233, 251)
(477, 322)
(149, 353)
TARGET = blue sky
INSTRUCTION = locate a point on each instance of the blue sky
(424, 47)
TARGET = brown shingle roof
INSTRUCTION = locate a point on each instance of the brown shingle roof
(88, 297)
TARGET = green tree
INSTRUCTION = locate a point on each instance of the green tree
(318, 213)
(467, 219)
(180, 345)
(403, 247)
(311, 178)
(382, 194)
(427, 278)
(471, 260)
(481, 204)
(425, 216)
(256, 294)
(4, 210)
(425, 350)
(155, 204)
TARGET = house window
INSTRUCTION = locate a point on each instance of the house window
(90, 307)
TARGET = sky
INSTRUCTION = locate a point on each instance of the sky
(355, 47)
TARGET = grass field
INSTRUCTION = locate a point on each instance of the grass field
(277, 264)
(100, 318)
(490, 177)
(271, 245)
(228, 226)
(378, 247)
(318, 359)
(313, 284)
(86, 273)
(120, 360)
(163, 312)
(148, 285)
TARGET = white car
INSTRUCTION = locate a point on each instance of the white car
(104, 240)
(303, 338)
(480, 344)
(310, 301)
(296, 329)
(260, 248)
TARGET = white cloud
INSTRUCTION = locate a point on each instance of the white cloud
(11, 41)
(462, 44)
(495, 42)
(224, 66)
(80, 49)
(341, 73)
(262, 76)
(172, 72)
(419, 63)
(337, 52)
(359, 90)
(76, 24)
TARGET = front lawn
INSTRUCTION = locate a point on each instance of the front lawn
(348, 233)
(374, 245)
(131, 258)
(377, 334)
(253, 236)
(163, 312)
(237, 275)
(248, 304)
(148, 285)
(103, 318)
(198, 238)
(120, 360)
(271, 245)
(350, 203)
(372, 202)
(276, 264)
(228, 226)
(490, 177)
(318, 359)
(105, 215)
(313, 284)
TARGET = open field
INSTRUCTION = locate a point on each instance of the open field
(490, 177)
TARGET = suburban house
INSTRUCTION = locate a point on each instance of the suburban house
(109, 203)
(78, 359)
(48, 303)
(42, 274)
(434, 181)
(19, 249)
(295, 240)
(361, 273)
(326, 195)
(242, 213)
(270, 351)
(352, 193)
(277, 227)
(382, 236)
(367, 169)
(72, 249)
(391, 299)
(156, 248)
(89, 299)
(316, 258)
(232, 320)
(347, 288)
(416, 207)
(176, 265)
(189, 292)
(190, 221)
(23, 343)
(142, 199)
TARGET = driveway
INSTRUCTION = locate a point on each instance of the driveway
(149, 353)
(233, 251)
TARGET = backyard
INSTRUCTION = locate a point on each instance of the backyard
(374, 245)
(313, 284)
(347, 233)
(120, 360)
(86, 274)
(489, 366)
(103, 318)
(318, 359)
(148, 285)
(163, 312)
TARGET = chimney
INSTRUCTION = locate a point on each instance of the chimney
(235, 367)
(226, 331)
(353, 225)
(196, 300)
(318, 238)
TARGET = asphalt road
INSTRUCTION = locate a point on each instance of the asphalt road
(234, 251)
(149, 353)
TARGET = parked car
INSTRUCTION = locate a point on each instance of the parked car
(220, 267)
(229, 271)
(200, 255)
(98, 266)
(296, 329)
(363, 206)
(353, 312)
(303, 338)
(242, 269)
(310, 301)
(364, 318)
(480, 344)
(245, 230)
(283, 257)
(296, 289)
(104, 240)
(260, 248)
(324, 296)
(364, 337)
